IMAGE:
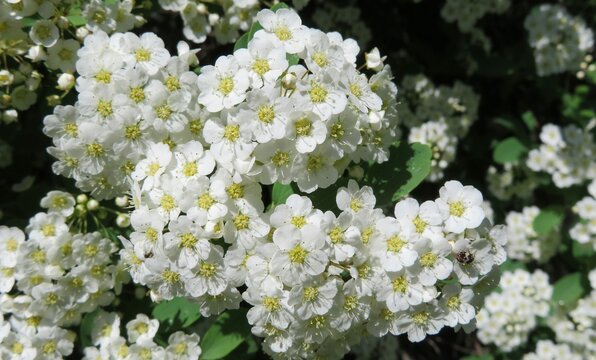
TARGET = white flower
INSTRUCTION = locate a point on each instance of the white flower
(354, 199)
(222, 86)
(283, 25)
(432, 262)
(271, 111)
(230, 138)
(421, 221)
(264, 61)
(461, 206)
(374, 61)
(299, 256)
(392, 246)
(270, 306)
(60, 202)
(150, 169)
(147, 52)
(44, 32)
(420, 321)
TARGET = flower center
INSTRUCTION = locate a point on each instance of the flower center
(303, 127)
(314, 163)
(188, 240)
(298, 221)
(142, 55)
(235, 191)
(456, 208)
(241, 222)
(400, 284)
(317, 93)
(172, 83)
(95, 150)
(103, 76)
(320, 59)
(104, 108)
(428, 260)
(419, 224)
(163, 111)
(395, 244)
(207, 270)
(226, 85)
(421, 318)
(298, 254)
(260, 66)
(232, 132)
(271, 303)
(190, 169)
(336, 235)
(310, 293)
(137, 94)
(283, 33)
(205, 201)
(280, 158)
(266, 114)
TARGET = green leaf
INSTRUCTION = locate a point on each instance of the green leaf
(292, 59)
(407, 167)
(530, 120)
(547, 221)
(280, 193)
(226, 334)
(242, 42)
(77, 20)
(509, 150)
(568, 289)
(177, 309)
(582, 250)
(278, 6)
(478, 357)
(511, 265)
(86, 327)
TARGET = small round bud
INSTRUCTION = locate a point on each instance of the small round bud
(6, 77)
(213, 19)
(63, 23)
(9, 116)
(80, 209)
(25, 68)
(122, 221)
(36, 53)
(82, 198)
(121, 201)
(140, 292)
(53, 100)
(289, 81)
(5, 100)
(202, 9)
(82, 33)
(92, 205)
(65, 81)
(580, 75)
(356, 172)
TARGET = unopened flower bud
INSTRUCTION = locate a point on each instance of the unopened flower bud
(122, 221)
(356, 172)
(121, 201)
(82, 198)
(66, 81)
(82, 33)
(374, 61)
(63, 22)
(5, 100)
(9, 116)
(289, 81)
(92, 205)
(53, 100)
(140, 293)
(202, 9)
(36, 53)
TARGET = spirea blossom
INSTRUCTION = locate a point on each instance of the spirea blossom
(312, 277)
(250, 122)
(559, 39)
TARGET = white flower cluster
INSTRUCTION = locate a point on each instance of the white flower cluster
(577, 328)
(225, 24)
(316, 281)
(508, 316)
(131, 93)
(58, 277)
(585, 230)
(46, 42)
(437, 116)
(547, 350)
(512, 180)
(567, 154)
(258, 115)
(523, 242)
(559, 40)
(199, 21)
(109, 344)
(466, 13)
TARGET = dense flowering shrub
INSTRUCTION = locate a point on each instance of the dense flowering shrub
(270, 201)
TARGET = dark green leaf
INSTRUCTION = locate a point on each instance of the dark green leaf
(512, 265)
(530, 120)
(85, 329)
(478, 357)
(76, 20)
(509, 150)
(568, 290)
(177, 309)
(226, 334)
(547, 221)
(280, 193)
(408, 165)
(242, 42)
(292, 59)
(278, 6)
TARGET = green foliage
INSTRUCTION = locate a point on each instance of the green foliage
(530, 120)
(85, 329)
(478, 357)
(568, 289)
(229, 331)
(509, 150)
(408, 166)
(178, 310)
(280, 193)
(547, 221)
(242, 42)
